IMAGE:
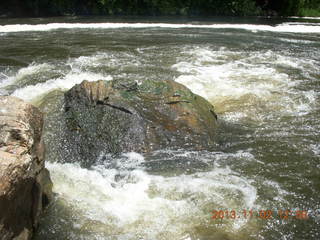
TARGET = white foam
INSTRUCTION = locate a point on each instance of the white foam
(279, 193)
(296, 17)
(126, 161)
(31, 92)
(32, 69)
(5, 80)
(26, 73)
(105, 60)
(315, 148)
(297, 41)
(137, 203)
(133, 159)
(235, 81)
(297, 28)
(77, 70)
(211, 75)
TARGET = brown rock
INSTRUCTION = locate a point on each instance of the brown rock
(25, 185)
(117, 116)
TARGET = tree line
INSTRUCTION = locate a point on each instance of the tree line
(41, 8)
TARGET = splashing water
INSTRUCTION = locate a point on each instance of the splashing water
(263, 80)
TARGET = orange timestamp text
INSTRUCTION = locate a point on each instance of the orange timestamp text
(261, 214)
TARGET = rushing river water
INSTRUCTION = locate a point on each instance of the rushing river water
(262, 76)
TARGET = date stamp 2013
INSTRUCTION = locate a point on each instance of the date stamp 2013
(284, 214)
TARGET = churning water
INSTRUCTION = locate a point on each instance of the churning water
(262, 78)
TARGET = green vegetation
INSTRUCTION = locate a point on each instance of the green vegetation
(309, 12)
(295, 7)
(309, 8)
(160, 7)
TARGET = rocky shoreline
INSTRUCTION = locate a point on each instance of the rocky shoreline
(25, 185)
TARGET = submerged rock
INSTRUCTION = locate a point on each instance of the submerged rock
(25, 185)
(116, 116)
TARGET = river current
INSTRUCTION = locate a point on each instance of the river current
(261, 75)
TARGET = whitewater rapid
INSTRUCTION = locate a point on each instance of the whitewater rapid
(285, 27)
(252, 78)
(128, 202)
(228, 79)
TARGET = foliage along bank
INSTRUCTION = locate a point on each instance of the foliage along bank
(41, 8)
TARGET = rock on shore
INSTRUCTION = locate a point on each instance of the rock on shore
(116, 116)
(25, 185)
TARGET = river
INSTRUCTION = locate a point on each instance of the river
(261, 75)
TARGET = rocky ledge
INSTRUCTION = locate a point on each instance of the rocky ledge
(25, 185)
(115, 116)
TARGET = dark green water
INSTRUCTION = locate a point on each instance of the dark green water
(262, 76)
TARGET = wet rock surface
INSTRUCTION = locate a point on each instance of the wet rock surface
(25, 185)
(113, 117)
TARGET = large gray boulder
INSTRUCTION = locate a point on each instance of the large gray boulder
(25, 185)
(116, 116)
